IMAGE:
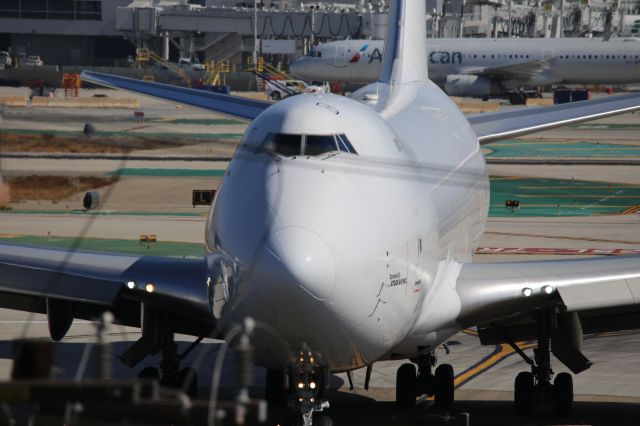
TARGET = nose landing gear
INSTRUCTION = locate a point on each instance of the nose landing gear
(440, 384)
(307, 384)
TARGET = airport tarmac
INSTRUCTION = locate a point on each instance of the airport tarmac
(153, 203)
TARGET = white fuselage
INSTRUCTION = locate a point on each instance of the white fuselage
(351, 256)
(570, 61)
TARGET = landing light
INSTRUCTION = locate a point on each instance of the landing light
(131, 285)
(150, 287)
(526, 292)
(300, 385)
(312, 385)
(547, 289)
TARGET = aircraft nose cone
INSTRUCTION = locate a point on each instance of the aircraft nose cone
(296, 67)
(295, 270)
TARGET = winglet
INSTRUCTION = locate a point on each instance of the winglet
(405, 53)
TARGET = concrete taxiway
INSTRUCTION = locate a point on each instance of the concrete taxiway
(160, 203)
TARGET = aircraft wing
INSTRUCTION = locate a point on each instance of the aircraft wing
(232, 106)
(491, 291)
(84, 284)
(587, 296)
(512, 123)
(520, 71)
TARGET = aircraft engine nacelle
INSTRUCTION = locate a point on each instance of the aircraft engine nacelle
(470, 85)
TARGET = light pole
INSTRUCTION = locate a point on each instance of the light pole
(255, 33)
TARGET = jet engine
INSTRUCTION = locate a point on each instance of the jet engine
(470, 85)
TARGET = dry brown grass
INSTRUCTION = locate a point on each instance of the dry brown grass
(47, 142)
(53, 188)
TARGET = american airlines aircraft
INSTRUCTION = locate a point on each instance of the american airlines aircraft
(345, 228)
(485, 67)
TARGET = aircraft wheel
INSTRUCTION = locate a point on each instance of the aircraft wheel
(275, 392)
(149, 373)
(323, 421)
(406, 385)
(563, 394)
(189, 374)
(444, 389)
(523, 396)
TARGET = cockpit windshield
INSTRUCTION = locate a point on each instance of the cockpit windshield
(315, 54)
(289, 145)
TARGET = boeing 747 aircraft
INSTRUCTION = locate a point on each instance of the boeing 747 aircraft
(485, 67)
(345, 227)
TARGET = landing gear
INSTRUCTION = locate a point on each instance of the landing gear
(406, 385)
(157, 336)
(440, 385)
(535, 387)
(307, 382)
(563, 394)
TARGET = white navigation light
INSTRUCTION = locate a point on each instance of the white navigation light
(150, 287)
(131, 285)
(526, 292)
(312, 385)
(547, 289)
(300, 385)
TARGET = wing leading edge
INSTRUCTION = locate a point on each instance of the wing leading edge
(87, 283)
(491, 127)
(494, 291)
(232, 106)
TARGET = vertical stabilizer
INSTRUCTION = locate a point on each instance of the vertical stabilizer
(405, 51)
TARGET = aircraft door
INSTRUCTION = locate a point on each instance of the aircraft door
(341, 55)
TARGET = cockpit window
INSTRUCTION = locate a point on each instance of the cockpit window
(315, 54)
(284, 144)
(317, 145)
(344, 145)
(290, 145)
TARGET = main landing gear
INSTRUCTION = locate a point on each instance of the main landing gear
(305, 396)
(535, 388)
(157, 336)
(439, 384)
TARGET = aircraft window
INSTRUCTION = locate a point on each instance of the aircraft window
(317, 144)
(625, 56)
(527, 56)
(344, 145)
(510, 56)
(484, 56)
(493, 56)
(607, 56)
(475, 56)
(589, 56)
(283, 144)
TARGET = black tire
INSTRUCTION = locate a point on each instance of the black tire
(188, 375)
(274, 390)
(444, 386)
(517, 98)
(323, 420)
(149, 373)
(563, 394)
(406, 385)
(523, 395)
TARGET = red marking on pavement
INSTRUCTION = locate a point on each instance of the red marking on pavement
(558, 251)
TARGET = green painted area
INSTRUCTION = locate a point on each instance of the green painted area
(167, 172)
(199, 121)
(551, 197)
(126, 133)
(161, 248)
(577, 149)
(99, 213)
